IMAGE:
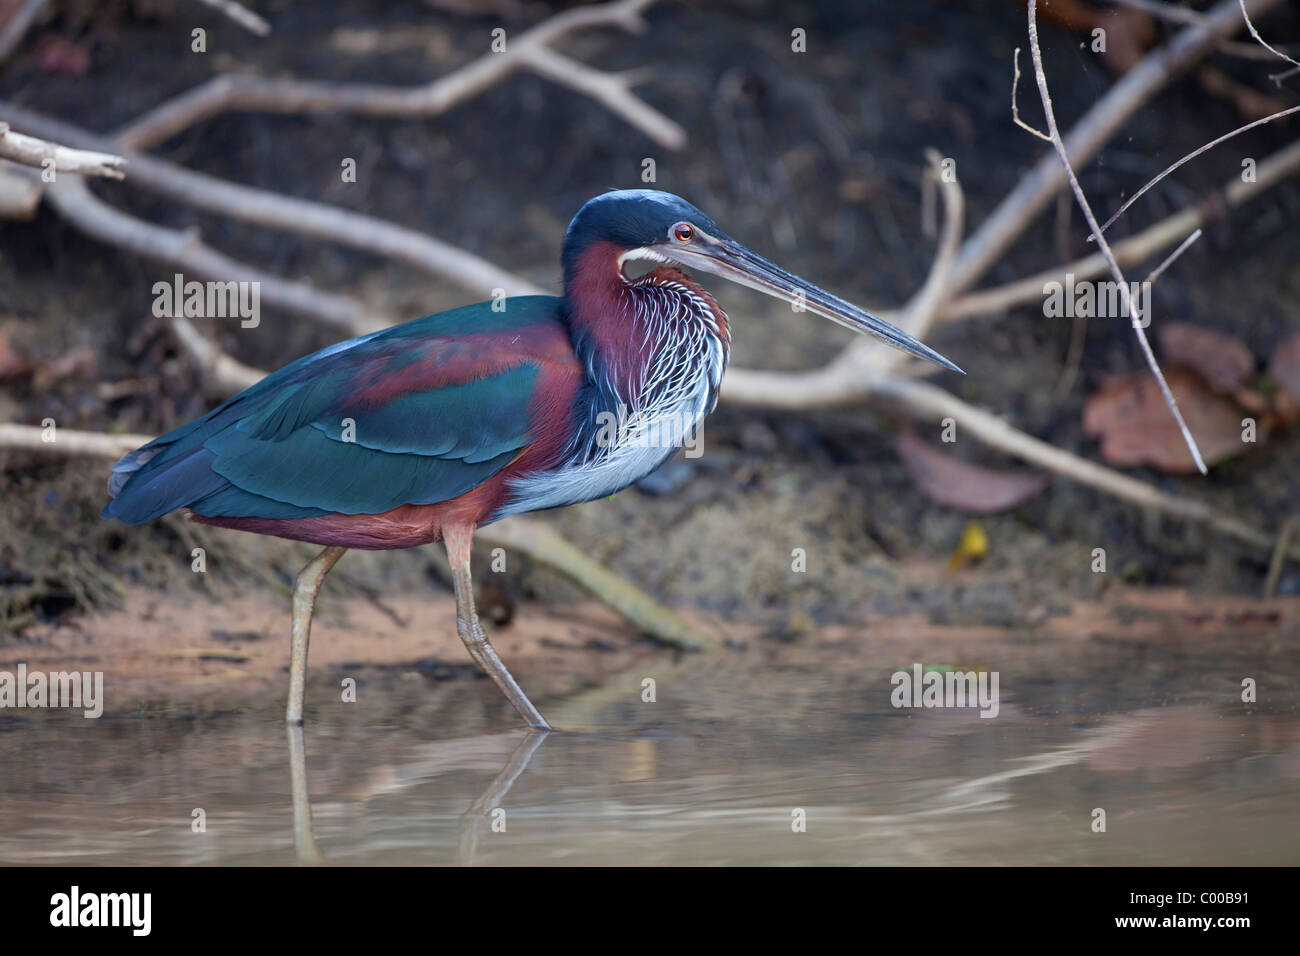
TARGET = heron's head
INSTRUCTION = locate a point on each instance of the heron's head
(646, 224)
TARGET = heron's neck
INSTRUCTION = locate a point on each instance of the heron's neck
(629, 332)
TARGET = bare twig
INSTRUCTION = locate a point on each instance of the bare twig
(1015, 101)
(245, 17)
(30, 151)
(921, 311)
(1159, 270)
(1270, 170)
(1078, 330)
(1262, 42)
(528, 50)
(184, 250)
(545, 546)
(843, 382)
(611, 90)
(1126, 302)
(223, 376)
(1165, 11)
(19, 23)
(67, 441)
(840, 383)
(1245, 51)
(301, 216)
(919, 314)
(927, 402)
(1022, 205)
(1190, 156)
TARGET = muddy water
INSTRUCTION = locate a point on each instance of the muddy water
(718, 769)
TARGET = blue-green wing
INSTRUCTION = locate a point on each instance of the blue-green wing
(417, 414)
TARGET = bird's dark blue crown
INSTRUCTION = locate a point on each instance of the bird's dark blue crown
(630, 218)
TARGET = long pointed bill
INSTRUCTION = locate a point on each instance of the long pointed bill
(731, 260)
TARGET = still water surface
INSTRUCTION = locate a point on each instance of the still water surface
(713, 772)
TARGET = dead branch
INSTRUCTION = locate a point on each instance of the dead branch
(1015, 100)
(929, 403)
(527, 51)
(68, 442)
(1188, 158)
(223, 376)
(245, 17)
(1245, 51)
(545, 546)
(1165, 11)
(186, 251)
(921, 311)
(1259, 39)
(30, 151)
(1096, 128)
(1173, 229)
(848, 379)
(304, 217)
(611, 90)
(1170, 259)
(841, 380)
(1126, 302)
(1215, 142)
(526, 535)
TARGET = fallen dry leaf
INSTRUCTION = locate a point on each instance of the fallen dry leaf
(1131, 419)
(961, 485)
(1222, 360)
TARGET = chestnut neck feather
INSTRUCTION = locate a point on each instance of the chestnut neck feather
(603, 306)
(653, 351)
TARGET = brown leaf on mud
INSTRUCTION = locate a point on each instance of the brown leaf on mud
(1284, 366)
(1131, 419)
(1222, 360)
(961, 485)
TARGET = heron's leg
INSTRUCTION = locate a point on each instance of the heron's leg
(304, 602)
(457, 540)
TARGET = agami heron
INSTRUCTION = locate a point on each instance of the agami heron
(428, 430)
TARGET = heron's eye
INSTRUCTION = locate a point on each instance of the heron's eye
(683, 231)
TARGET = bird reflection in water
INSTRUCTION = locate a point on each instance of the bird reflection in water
(472, 822)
